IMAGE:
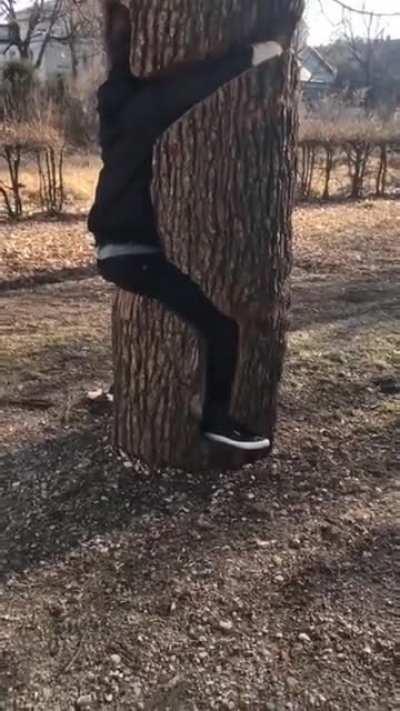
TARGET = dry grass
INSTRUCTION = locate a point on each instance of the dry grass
(271, 589)
(359, 238)
(342, 127)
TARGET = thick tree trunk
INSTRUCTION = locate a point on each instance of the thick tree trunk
(225, 181)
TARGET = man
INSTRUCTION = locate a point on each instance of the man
(134, 112)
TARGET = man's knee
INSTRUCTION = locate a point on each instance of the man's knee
(228, 329)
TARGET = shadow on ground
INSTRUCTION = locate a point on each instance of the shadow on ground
(61, 492)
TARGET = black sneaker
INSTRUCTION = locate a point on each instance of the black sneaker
(230, 432)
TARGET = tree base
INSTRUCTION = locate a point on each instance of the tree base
(158, 369)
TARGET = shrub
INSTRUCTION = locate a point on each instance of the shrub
(30, 127)
(339, 133)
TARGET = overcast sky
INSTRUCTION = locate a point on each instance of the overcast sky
(324, 25)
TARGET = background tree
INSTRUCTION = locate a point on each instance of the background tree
(366, 58)
(41, 19)
(68, 22)
(225, 180)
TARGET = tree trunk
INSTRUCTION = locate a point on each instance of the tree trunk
(224, 187)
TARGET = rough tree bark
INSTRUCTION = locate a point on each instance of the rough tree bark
(225, 182)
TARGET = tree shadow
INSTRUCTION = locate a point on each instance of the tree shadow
(323, 302)
(372, 562)
(49, 276)
(346, 199)
(64, 491)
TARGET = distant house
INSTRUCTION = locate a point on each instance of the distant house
(58, 58)
(4, 43)
(316, 74)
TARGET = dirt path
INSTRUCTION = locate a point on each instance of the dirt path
(275, 588)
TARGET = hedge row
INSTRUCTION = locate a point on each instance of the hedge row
(319, 161)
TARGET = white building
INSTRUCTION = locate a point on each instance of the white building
(58, 58)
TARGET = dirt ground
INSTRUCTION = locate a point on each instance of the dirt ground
(274, 588)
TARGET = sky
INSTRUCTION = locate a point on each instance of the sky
(324, 24)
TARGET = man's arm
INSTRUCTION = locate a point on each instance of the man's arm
(167, 97)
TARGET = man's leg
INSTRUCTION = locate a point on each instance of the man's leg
(157, 278)
(153, 276)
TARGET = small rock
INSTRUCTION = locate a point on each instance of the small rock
(203, 523)
(279, 579)
(367, 649)
(388, 385)
(225, 625)
(108, 698)
(295, 543)
(262, 544)
(95, 394)
(137, 690)
(116, 660)
(303, 637)
(84, 702)
(46, 693)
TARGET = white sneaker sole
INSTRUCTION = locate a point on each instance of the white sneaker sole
(248, 446)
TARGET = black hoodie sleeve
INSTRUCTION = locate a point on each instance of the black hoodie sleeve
(164, 99)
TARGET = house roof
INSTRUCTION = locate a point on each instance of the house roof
(315, 69)
(329, 68)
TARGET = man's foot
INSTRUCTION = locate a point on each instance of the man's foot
(230, 432)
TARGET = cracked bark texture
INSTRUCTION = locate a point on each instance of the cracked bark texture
(224, 188)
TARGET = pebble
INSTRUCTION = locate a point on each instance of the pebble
(295, 543)
(262, 544)
(225, 625)
(137, 690)
(84, 702)
(303, 637)
(116, 660)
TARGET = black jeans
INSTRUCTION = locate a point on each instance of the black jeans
(157, 278)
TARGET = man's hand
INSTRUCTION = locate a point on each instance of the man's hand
(264, 51)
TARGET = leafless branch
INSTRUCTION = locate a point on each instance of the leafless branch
(363, 11)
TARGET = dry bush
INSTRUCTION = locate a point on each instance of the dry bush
(338, 134)
(25, 134)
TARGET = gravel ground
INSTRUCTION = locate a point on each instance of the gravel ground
(273, 588)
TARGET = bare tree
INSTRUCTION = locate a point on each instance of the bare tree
(64, 21)
(361, 55)
(41, 21)
(363, 48)
(363, 10)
